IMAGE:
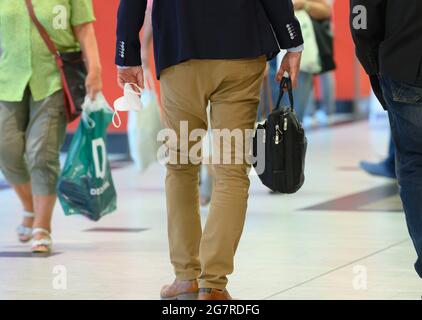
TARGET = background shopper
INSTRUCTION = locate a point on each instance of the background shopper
(385, 168)
(327, 89)
(32, 118)
(316, 9)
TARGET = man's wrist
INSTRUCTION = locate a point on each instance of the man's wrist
(95, 69)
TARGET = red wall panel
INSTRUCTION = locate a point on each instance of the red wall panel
(345, 54)
(105, 27)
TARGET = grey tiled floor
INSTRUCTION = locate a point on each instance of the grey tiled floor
(285, 253)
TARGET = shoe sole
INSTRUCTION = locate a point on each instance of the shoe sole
(184, 296)
(39, 251)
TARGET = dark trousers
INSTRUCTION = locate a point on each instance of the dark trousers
(405, 113)
(391, 157)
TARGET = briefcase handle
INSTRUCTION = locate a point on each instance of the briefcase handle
(285, 83)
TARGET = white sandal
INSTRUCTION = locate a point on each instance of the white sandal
(43, 245)
(25, 233)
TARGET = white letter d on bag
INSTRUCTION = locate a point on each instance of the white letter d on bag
(100, 169)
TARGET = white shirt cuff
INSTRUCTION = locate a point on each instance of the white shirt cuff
(126, 67)
(296, 49)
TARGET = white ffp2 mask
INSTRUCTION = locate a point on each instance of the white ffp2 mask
(131, 101)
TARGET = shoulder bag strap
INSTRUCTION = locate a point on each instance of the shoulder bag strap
(44, 35)
(69, 104)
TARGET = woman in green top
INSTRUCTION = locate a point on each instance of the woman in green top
(32, 118)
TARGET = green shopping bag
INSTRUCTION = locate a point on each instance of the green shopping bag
(85, 185)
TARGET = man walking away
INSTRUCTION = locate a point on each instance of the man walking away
(207, 51)
(388, 38)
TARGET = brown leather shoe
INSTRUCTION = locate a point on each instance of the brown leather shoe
(180, 290)
(213, 294)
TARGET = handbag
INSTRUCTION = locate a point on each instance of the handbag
(279, 147)
(143, 127)
(310, 61)
(72, 71)
(325, 41)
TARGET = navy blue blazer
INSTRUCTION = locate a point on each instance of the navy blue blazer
(207, 29)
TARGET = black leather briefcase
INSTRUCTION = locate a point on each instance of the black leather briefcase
(279, 147)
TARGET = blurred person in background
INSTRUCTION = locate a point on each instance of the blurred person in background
(32, 116)
(319, 10)
(206, 177)
(222, 62)
(321, 110)
(388, 39)
(147, 37)
(385, 168)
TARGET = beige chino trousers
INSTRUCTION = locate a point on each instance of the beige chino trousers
(233, 89)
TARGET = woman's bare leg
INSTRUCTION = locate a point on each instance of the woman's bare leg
(24, 192)
(44, 206)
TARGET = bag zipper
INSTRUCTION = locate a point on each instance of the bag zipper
(278, 135)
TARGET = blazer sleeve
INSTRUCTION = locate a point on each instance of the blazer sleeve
(284, 23)
(130, 19)
(368, 38)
